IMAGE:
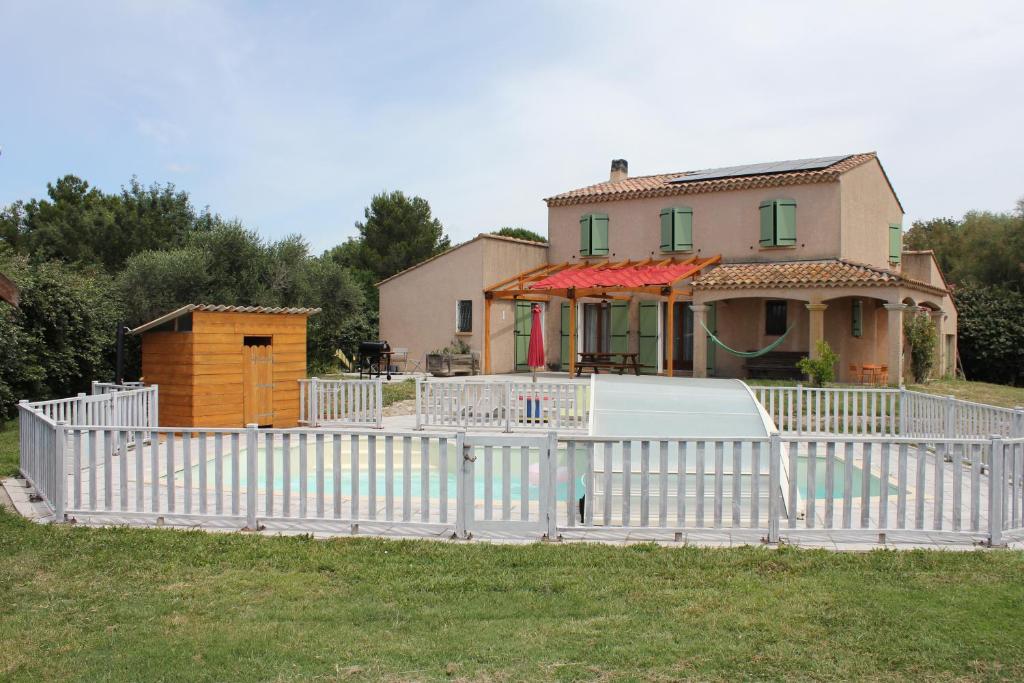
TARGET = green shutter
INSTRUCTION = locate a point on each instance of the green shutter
(767, 223)
(585, 235)
(620, 327)
(857, 318)
(666, 229)
(683, 229)
(599, 234)
(785, 222)
(711, 322)
(895, 242)
(564, 355)
(649, 336)
(524, 321)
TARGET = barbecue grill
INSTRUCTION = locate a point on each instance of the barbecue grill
(374, 358)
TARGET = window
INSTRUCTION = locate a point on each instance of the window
(857, 318)
(594, 234)
(778, 223)
(775, 318)
(464, 316)
(677, 229)
(895, 242)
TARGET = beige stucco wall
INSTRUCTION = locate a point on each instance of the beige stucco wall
(418, 307)
(726, 223)
(868, 208)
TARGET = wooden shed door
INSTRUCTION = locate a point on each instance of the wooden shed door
(258, 380)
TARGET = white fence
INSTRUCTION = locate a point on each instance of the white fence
(545, 406)
(847, 488)
(353, 401)
(110, 387)
(130, 407)
(869, 411)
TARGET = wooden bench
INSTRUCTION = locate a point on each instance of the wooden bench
(775, 365)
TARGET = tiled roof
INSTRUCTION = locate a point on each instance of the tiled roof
(630, 276)
(828, 273)
(661, 185)
(481, 236)
(177, 313)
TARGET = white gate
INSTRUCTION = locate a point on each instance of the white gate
(505, 485)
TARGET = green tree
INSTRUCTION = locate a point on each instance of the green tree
(398, 232)
(990, 328)
(521, 234)
(919, 331)
(822, 369)
(62, 334)
(80, 224)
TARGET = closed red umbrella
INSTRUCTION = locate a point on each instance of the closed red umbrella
(535, 355)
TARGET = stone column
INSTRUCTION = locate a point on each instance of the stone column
(700, 340)
(817, 326)
(939, 369)
(895, 343)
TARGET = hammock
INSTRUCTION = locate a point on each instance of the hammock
(748, 354)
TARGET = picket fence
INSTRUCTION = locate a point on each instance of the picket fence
(453, 484)
(562, 406)
(352, 401)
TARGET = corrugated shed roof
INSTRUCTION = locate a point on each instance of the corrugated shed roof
(222, 309)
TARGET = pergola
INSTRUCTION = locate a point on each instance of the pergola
(604, 280)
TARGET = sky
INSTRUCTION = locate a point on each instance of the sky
(290, 115)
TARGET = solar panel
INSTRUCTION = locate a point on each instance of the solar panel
(760, 169)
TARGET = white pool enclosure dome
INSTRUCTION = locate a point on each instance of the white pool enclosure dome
(646, 407)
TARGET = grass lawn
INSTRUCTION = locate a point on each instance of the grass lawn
(394, 392)
(8, 448)
(118, 604)
(981, 392)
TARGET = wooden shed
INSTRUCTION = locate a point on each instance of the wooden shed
(226, 366)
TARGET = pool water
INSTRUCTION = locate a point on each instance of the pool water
(436, 479)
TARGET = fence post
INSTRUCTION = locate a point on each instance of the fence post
(93, 387)
(950, 428)
(314, 402)
(251, 474)
(799, 408)
(1018, 423)
(996, 486)
(380, 403)
(903, 410)
(79, 417)
(774, 484)
(61, 479)
(463, 487)
(154, 407)
(550, 505)
(508, 407)
(419, 405)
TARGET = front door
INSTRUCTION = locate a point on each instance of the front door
(680, 336)
(258, 381)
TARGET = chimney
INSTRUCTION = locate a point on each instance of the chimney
(620, 170)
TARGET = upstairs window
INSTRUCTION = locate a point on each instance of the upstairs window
(778, 223)
(775, 318)
(464, 316)
(594, 234)
(677, 229)
(895, 242)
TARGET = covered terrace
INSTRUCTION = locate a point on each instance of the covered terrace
(663, 279)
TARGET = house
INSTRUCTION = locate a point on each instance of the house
(226, 366)
(441, 300)
(687, 268)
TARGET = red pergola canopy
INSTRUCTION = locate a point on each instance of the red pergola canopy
(629, 276)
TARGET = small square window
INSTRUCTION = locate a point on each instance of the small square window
(464, 316)
(775, 318)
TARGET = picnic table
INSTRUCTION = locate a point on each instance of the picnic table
(605, 360)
